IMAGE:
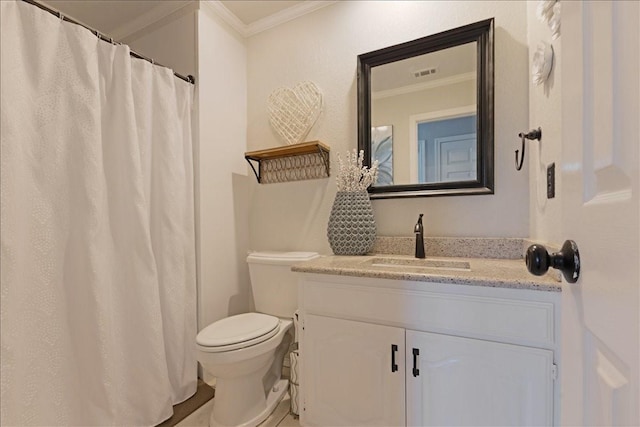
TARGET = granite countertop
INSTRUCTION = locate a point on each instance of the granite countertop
(500, 273)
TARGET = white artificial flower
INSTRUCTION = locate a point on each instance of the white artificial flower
(352, 175)
(554, 21)
(542, 63)
(548, 11)
(545, 10)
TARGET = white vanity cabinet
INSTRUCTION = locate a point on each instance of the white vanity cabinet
(348, 376)
(468, 382)
(379, 352)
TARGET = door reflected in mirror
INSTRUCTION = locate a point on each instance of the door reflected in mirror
(445, 150)
(427, 106)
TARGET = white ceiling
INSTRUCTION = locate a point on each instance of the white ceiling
(120, 18)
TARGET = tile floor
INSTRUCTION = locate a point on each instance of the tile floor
(279, 418)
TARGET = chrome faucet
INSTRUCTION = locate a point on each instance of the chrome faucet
(419, 232)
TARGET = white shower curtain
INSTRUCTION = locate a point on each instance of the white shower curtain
(98, 298)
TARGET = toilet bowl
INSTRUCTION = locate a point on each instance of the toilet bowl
(248, 383)
(245, 352)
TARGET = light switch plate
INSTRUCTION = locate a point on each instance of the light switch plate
(551, 181)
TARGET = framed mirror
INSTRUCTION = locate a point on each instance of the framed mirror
(425, 112)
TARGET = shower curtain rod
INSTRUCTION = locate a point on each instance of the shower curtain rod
(189, 78)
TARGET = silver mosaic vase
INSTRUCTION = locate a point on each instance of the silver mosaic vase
(352, 228)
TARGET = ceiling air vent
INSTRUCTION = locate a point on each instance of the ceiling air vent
(425, 72)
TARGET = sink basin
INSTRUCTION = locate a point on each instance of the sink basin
(427, 264)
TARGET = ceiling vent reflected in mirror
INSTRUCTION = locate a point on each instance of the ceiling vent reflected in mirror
(425, 72)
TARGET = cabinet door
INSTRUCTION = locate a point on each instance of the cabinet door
(348, 378)
(461, 381)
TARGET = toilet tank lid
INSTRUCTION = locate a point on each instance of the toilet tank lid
(280, 257)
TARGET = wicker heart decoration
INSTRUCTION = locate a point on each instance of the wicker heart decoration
(293, 112)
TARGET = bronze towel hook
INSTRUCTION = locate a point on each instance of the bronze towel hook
(532, 134)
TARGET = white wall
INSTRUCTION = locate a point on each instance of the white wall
(222, 170)
(545, 112)
(322, 47)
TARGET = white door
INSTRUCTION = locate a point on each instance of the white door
(456, 158)
(348, 375)
(600, 204)
(453, 381)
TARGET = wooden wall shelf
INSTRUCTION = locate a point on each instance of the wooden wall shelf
(307, 160)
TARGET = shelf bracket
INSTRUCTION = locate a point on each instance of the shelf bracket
(256, 173)
(325, 159)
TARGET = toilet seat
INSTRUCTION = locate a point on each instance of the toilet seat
(239, 331)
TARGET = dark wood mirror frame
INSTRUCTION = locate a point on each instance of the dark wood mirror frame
(480, 32)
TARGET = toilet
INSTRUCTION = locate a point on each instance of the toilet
(245, 352)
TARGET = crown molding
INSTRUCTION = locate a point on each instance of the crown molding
(287, 15)
(218, 9)
(402, 90)
(139, 26)
(264, 24)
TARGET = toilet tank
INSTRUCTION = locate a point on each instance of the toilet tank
(274, 285)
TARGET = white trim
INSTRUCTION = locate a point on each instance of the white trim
(445, 81)
(140, 26)
(429, 117)
(286, 15)
(263, 24)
